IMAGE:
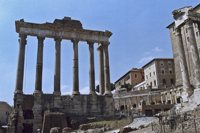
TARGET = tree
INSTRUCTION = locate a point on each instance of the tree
(127, 86)
(112, 87)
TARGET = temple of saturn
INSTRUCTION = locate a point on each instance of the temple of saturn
(29, 109)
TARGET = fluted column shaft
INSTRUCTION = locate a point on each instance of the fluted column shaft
(175, 97)
(162, 98)
(91, 67)
(101, 70)
(155, 99)
(106, 69)
(183, 64)
(75, 68)
(20, 65)
(171, 98)
(194, 52)
(166, 100)
(39, 65)
(57, 66)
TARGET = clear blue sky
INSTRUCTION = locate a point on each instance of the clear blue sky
(139, 35)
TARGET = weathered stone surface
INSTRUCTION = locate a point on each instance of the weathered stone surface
(125, 129)
(67, 130)
(53, 119)
(56, 130)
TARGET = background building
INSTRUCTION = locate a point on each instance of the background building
(133, 77)
(159, 73)
(5, 110)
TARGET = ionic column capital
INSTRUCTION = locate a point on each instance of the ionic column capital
(75, 40)
(57, 38)
(90, 42)
(105, 43)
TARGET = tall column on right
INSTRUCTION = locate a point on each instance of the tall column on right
(101, 72)
(183, 65)
(195, 59)
(106, 69)
(75, 68)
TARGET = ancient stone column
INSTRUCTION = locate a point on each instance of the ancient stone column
(20, 65)
(57, 66)
(175, 96)
(155, 99)
(91, 67)
(166, 100)
(183, 64)
(171, 98)
(101, 70)
(39, 65)
(106, 69)
(194, 53)
(162, 98)
(75, 67)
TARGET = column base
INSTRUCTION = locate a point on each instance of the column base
(197, 96)
(75, 93)
(107, 93)
(37, 92)
(92, 93)
(18, 91)
(57, 93)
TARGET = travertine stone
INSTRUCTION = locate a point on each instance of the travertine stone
(106, 69)
(175, 97)
(162, 98)
(166, 100)
(183, 65)
(91, 68)
(194, 53)
(75, 68)
(20, 65)
(171, 101)
(57, 66)
(101, 70)
(39, 66)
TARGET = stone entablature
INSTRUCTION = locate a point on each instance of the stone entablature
(50, 30)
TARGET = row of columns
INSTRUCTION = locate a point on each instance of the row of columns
(171, 99)
(104, 71)
(194, 54)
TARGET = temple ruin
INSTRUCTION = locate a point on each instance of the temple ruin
(29, 109)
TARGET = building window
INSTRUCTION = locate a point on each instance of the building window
(136, 83)
(135, 75)
(186, 30)
(169, 63)
(150, 74)
(119, 83)
(197, 34)
(170, 71)
(142, 76)
(195, 25)
(162, 70)
(127, 78)
(173, 28)
(172, 81)
(161, 63)
(154, 82)
(154, 73)
(147, 76)
(188, 39)
(150, 83)
(164, 82)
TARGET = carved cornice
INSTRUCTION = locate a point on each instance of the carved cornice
(51, 30)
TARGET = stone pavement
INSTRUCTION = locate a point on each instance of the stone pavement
(137, 123)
